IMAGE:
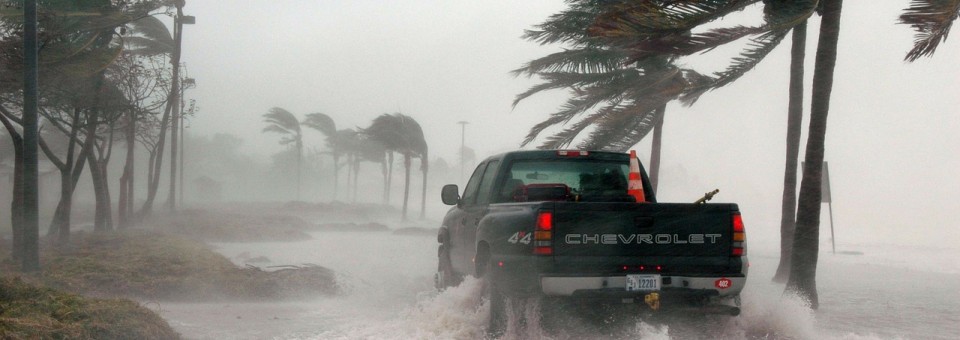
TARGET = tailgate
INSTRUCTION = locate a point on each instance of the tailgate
(642, 230)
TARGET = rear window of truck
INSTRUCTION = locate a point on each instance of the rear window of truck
(554, 180)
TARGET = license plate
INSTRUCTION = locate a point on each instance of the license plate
(643, 283)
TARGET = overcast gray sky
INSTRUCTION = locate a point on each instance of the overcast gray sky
(891, 142)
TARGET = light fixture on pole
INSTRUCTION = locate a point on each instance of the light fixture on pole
(463, 132)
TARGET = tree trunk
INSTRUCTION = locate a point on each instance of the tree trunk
(125, 206)
(356, 176)
(386, 181)
(102, 215)
(156, 159)
(806, 244)
(389, 176)
(299, 164)
(16, 202)
(60, 225)
(406, 183)
(424, 167)
(336, 174)
(656, 147)
(69, 175)
(794, 119)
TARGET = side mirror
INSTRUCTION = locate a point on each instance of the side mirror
(450, 194)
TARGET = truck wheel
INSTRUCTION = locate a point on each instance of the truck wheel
(445, 277)
(498, 314)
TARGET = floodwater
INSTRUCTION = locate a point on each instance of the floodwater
(887, 292)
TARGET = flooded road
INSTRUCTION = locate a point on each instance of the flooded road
(880, 294)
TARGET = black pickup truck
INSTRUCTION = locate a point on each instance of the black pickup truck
(562, 224)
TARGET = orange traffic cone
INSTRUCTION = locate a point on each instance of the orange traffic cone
(635, 185)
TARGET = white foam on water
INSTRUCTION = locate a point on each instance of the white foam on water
(389, 295)
(456, 313)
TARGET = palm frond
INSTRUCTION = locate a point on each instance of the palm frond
(630, 20)
(320, 122)
(149, 36)
(757, 50)
(682, 44)
(568, 26)
(276, 129)
(580, 60)
(574, 106)
(931, 19)
(559, 80)
(282, 118)
(623, 128)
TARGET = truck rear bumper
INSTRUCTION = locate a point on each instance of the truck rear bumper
(615, 286)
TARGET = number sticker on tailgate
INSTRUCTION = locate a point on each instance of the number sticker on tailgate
(642, 283)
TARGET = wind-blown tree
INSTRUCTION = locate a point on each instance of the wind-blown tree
(287, 125)
(623, 90)
(336, 141)
(64, 124)
(141, 77)
(74, 47)
(402, 134)
(630, 93)
(781, 15)
(932, 20)
(788, 207)
(806, 242)
(648, 29)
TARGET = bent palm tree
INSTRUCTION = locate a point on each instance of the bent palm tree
(788, 208)
(806, 242)
(285, 124)
(402, 134)
(334, 140)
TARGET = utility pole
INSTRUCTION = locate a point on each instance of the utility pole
(463, 148)
(31, 223)
(176, 90)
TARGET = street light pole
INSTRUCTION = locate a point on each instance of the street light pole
(463, 133)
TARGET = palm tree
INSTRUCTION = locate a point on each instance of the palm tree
(633, 86)
(648, 29)
(283, 122)
(931, 19)
(326, 126)
(788, 209)
(402, 134)
(806, 242)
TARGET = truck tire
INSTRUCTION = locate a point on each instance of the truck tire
(498, 313)
(445, 277)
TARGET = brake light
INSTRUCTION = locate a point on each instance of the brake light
(572, 153)
(545, 221)
(543, 235)
(739, 236)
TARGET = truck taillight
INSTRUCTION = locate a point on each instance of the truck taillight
(739, 236)
(543, 234)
